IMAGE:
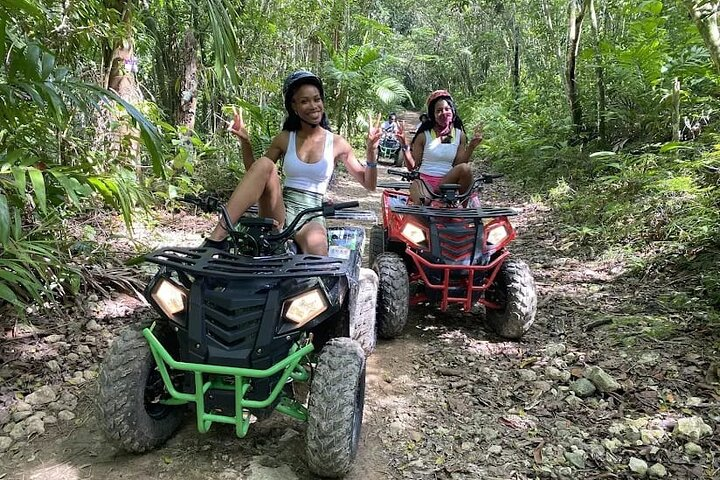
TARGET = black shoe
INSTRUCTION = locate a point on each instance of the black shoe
(217, 244)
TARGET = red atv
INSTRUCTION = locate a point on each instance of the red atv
(444, 254)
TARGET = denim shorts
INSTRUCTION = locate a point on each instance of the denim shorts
(298, 200)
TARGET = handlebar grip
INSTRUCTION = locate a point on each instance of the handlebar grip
(393, 171)
(350, 204)
(209, 204)
(187, 198)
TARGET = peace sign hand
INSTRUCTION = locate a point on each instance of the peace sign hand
(237, 126)
(401, 134)
(374, 133)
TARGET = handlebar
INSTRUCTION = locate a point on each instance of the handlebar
(208, 204)
(408, 175)
(343, 205)
(452, 198)
(212, 204)
(327, 209)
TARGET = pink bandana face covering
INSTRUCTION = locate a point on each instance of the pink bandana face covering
(443, 123)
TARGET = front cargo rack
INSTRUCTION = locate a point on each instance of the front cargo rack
(211, 262)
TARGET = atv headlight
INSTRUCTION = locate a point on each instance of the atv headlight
(413, 233)
(497, 235)
(306, 306)
(170, 297)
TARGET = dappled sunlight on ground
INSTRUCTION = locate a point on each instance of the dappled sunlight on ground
(120, 305)
(60, 471)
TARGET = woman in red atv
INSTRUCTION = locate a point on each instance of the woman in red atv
(440, 148)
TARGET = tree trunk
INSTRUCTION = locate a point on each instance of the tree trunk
(705, 14)
(516, 63)
(676, 110)
(120, 78)
(575, 19)
(599, 73)
(513, 45)
(122, 63)
(188, 83)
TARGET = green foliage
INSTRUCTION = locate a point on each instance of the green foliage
(351, 74)
(218, 175)
(48, 166)
(34, 270)
(66, 143)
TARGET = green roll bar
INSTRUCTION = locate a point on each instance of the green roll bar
(290, 367)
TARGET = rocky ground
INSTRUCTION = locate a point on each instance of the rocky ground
(617, 379)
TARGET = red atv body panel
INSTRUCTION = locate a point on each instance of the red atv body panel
(454, 258)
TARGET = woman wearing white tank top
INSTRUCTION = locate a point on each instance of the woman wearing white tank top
(440, 149)
(310, 152)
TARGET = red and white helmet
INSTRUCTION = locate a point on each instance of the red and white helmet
(438, 94)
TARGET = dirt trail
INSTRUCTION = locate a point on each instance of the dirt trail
(449, 400)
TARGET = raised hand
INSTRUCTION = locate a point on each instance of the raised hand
(374, 133)
(237, 125)
(477, 135)
(401, 134)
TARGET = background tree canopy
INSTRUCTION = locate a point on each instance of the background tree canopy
(604, 108)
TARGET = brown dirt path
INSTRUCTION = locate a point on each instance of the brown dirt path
(448, 400)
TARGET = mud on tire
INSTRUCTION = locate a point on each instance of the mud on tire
(362, 310)
(514, 289)
(335, 410)
(393, 294)
(127, 385)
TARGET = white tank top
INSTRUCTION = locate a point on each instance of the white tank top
(438, 157)
(312, 177)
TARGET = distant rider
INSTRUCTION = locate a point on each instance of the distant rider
(391, 125)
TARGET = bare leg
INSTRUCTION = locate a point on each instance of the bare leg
(460, 174)
(418, 191)
(260, 184)
(312, 239)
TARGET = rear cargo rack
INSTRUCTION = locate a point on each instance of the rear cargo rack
(394, 185)
(211, 262)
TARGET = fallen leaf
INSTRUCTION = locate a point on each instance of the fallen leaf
(537, 453)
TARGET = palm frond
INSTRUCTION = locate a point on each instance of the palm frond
(391, 91)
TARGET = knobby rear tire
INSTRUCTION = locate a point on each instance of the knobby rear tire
(335, 409)
(128, 419)
(393, 294)
(514, 290)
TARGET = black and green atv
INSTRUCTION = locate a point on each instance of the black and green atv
(240, 332)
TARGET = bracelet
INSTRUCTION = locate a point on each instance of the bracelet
(371, 164)
(405, 148)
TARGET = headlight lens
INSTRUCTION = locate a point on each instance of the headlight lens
(413, 233)
(306, 306)
(171, 298)
(497, 235)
